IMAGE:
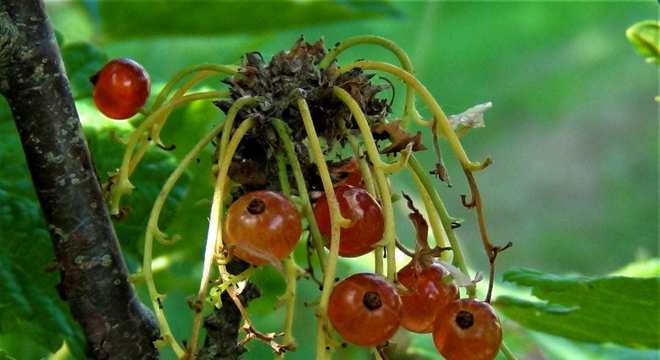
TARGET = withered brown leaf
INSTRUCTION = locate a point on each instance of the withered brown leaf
(398, 137)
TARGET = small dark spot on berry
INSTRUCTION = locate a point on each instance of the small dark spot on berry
(327, 347)
(336, 279)
(320, 287)
(344, 345)
(464, 319)
(256, 207)
(372, 300)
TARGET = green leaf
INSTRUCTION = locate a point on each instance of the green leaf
(29, 304)
(139, 19)
(613, 309)
(148, 179)
(645, 36)
(82, 60)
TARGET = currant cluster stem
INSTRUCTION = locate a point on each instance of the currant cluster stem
(317, 240)
(290, 266)
(214, 244)
(336, 221)
(410, 111)
(386, 197)
(152, 230)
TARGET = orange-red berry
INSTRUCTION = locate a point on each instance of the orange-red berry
(429, 292)
(262, 227)
(364, 213)
(121, 88)
(365, 309)
(467, 330)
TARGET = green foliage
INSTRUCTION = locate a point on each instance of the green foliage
(139, 19)
(612, 309)
(104, 146)
(645, 36)
(82, 60)
(29, 304)
(541, 135)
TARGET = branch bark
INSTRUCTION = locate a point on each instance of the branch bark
(94, 277)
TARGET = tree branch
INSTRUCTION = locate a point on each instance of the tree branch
(94, 278)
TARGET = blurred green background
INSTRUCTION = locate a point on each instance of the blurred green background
(573, 131)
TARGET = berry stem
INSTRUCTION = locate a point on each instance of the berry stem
(336, 221)
(214, 243)
(410, 111)
(439, 232)
(152, 228)
(290, 266)
(444, 125)
(374, 156)
(459, 259)
(370, 186)
(283, 131)
(162, 95)
(123, 185)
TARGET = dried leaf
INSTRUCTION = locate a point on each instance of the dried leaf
(398, 137)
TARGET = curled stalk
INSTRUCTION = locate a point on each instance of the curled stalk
(214, 236)
(158, 125)
(317, 240)
(152, 230)
(443, 126)
(378, 165)
(491, 251)
(445, 219)
(123, 185)
(439, 233)
(290, 267)
(201, 72)
(336, 221)
(214, 68)
(409, 110)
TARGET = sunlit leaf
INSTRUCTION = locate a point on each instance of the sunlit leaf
(613, 309)
(645, 36)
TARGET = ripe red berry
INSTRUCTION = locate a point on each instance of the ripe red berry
(365, 309)
(348, 174)
(428, 294)
(262, 227)
(365, 214)
(467, 330)
(121, 88)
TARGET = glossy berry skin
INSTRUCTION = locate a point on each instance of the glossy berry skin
(121, 88)
(468, 330)
(349, 174)
(365, 309)
(365, 214)
(262, 227)
(428, 294)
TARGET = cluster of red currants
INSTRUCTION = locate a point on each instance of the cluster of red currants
(365, 309)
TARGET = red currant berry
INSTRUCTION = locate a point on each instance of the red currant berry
(365, 309)
(364, 213)
(262, 227)
(467, 330)
(349, 174)
(428, 294)
(121, 88)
